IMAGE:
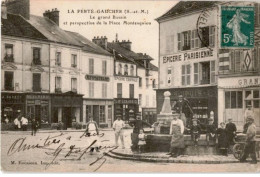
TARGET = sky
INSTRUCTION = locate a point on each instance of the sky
(144, 38)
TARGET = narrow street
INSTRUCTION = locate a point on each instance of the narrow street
(59, 145)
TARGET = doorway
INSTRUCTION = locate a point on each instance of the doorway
(67, 117)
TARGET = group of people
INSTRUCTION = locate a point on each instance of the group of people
(21, 123)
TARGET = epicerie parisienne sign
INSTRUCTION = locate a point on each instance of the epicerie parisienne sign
(237, 27)
(188, 56)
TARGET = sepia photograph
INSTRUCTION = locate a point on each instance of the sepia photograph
(130, 86)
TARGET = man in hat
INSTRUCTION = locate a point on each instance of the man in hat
(195, 130)
(138, 125)
(210, 130)
(249, 112)
(118, 126)
(183, 108)
(250, 142)
(231, 131)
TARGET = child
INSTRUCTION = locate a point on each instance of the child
(222, 139)
(195, 131)
(141, 141)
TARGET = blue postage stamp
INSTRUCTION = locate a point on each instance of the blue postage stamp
(237, 27)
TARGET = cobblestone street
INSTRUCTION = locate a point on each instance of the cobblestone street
(38, 158)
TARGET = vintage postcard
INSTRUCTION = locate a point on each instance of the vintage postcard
(130, 86)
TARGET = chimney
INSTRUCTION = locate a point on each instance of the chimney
(53, 15)
(3, 11)
(102, 42)
(21, 7)
(126, 44)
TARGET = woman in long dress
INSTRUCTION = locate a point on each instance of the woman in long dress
(222, 139)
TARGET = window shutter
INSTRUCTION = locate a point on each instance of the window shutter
(193, 39)
(183, 74)
(179, 41)
(196, 73)
(212, 72)
(188, 74)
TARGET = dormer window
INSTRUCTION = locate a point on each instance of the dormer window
(119, 69)
(9, 57)
(126, 70)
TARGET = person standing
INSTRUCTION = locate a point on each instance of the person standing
(35, 126)
(138, 125)
(17, 123)
(24, 122)
(222, 139)
(92, 133)
(177, 141)
(250, 142)
(249, 112)
(211, 130)
(118, 126)
(231, 131)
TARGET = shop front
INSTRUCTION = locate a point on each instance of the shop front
(12, 105)
(236, 95)
(149, 115)
(126, 107)
(66, 108)
(202, 101)
(38, 107)
(100, 109)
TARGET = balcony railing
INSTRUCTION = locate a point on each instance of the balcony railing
(57, 90)
(9, 58)
(37, 89)
(7, 88)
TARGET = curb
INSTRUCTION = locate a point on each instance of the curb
(158, 159)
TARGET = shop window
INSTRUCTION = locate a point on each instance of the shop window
(140, 82)
(126, 70)
(119, 69)
(102, 116)
(57, 84)
(140, 99)
(91, 89)
(256, 94)
(58, 59)
(147, 82)
(104, 68)
(9, 53)
(132, 70)
(131, 90)
(233, 99)
(36, 56)
(91, 66)
(119, 90)
(44, 114)
(74, 85)
(248, 98)
(73, 60)
(185, 75)
(36, 82)
(104, 90)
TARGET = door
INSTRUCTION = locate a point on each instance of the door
(38, 114)
(96, 113)
(67, 117)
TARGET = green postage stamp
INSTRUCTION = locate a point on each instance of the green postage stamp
(237, 27)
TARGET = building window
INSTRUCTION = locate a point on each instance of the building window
(204, 31)
(91, 66)
(140, 82)
(73, 60)
(9, 53)
(9, 81)
(195, 41)
(57, 84)
(205, 70)
(36, 82)
(132, 70)
(154, 83)
(36, 56)
(147, 82)
(74, 85)
(126, 70)
(131, 90)
(233, 99)
(119, 69)
(119, 90)
(140, 99)
(196, 73)
(104, 90)
(104, 68)
(91, 89)
(58, 59)
(211, 36)
(147, 101)
(102, 117)
(185, 74)
(186, 38)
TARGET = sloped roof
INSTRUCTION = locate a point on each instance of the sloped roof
(16, 25)
(88, 45)
(126, 55)
(52, 31)
(184, 7)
